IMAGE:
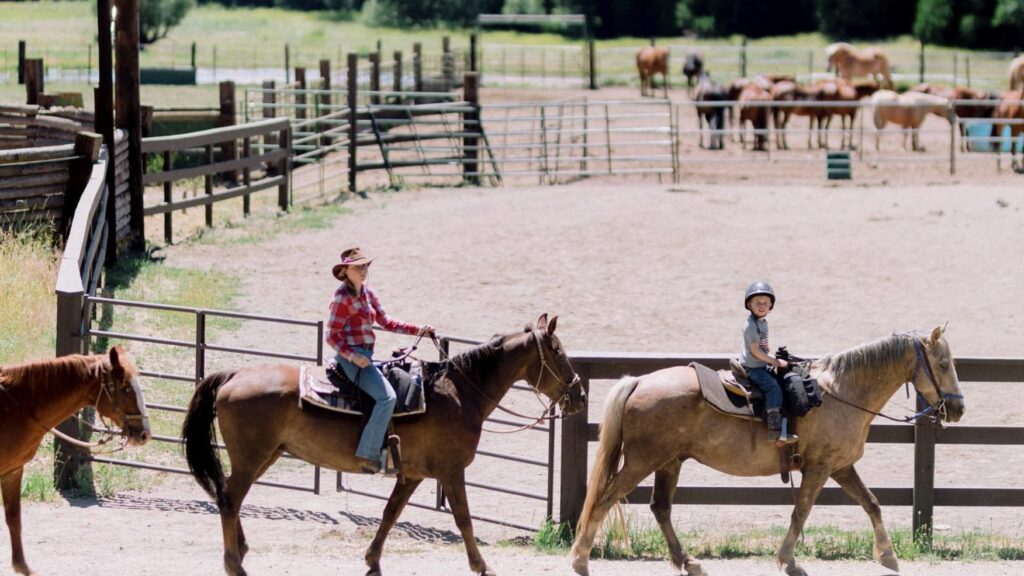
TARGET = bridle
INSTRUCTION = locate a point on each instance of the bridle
(573, 389)
(938, 407)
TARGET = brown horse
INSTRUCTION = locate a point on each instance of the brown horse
(653, 423)
(651, 60)
(751, 107)
(849, 62)
(974, 109)
(36, 397)
(439, 444)
(1011, 107)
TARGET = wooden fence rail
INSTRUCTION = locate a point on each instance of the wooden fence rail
(578, 432)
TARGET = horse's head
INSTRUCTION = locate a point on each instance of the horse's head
(934, 375)
(120, 397)
(556, 378)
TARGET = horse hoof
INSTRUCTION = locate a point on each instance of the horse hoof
(694, 568)
(374, 570)
(796, 571)
(580, 564)
(890, 561)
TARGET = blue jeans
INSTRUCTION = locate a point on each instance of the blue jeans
(768, 385)
(371, 381)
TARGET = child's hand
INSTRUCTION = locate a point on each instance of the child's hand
(781, 363)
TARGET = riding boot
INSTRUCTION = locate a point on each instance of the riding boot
(773, 419)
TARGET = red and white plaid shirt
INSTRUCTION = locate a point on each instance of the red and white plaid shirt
(352, 318)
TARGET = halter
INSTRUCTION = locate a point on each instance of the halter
(566, 396)
(939, 407)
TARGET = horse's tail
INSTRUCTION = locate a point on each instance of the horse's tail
(609, 448)
(199, 435)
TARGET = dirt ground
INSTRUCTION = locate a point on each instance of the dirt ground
(630, 266)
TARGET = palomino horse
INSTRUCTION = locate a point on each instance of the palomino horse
(849, 62)
(653, 423)
(258, 411)
(908, 110)
(1017, 73)
(651, 60)
(36, 397)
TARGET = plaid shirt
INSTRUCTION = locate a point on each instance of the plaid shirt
(352, 318)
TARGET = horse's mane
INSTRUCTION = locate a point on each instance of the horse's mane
(872, 355)
(47, 372)
(480, 359)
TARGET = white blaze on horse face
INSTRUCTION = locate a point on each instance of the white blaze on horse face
(137, 389)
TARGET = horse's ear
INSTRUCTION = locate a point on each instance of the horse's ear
(552, 324)
(542, 322)
(937, 333)
(115, 354)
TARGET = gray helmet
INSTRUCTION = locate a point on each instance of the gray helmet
(756, 289)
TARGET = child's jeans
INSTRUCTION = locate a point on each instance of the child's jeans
(768, 385)
(371, 381)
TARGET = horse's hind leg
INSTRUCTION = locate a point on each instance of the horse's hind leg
(10, 485)
(455, 490)
(665, 481)
(850, 482)
(813, 480)
(248, 463)
(396, 503)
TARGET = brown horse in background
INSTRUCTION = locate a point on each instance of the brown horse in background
(653, 423)
(651, 60)
(752, 109)
(849, 62)
(1017, 73)
(838, 91)
(969, 110)
(693, 67)
(36, 397)
(257, 409)
(1011, 106)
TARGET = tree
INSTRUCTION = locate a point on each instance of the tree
(157, 17)
(934, 21)
(1009, 14)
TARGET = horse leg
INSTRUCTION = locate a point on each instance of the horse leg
(243, 546)
(455, 491)
(10, 485)
(700, 129)
(813, 480)
(245, 470)
(623, 483)
(396, 503)
(850, 482)
(665, 481)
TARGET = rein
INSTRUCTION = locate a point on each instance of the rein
(548, 408)
(938, 407)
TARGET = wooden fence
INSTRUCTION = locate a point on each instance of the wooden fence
(923, 496)
(213, 150)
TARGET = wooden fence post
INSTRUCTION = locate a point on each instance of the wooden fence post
(284, 190)
(447, 63)
(575, 439)
(87, 151)
(325, 84)
(397, 72)
(33, 80)
(471, 125)
(472, 53)
(920, 62)
(229, 149)
(193, 58)
(21, 61)
(300, 95)
(353, 118)
(375, 77)
(743, 59)
(287, 64)
(168, 198)
(417, 66)
(70, 307)
(104, 110)
(592, 63)
(924, 476)
(128, 115)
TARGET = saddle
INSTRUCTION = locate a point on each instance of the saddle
(328, 388)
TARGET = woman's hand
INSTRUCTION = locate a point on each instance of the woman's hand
(360, 360)
(427, 330)
(781, 363)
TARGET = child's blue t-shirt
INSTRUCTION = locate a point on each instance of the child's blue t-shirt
(755, 332)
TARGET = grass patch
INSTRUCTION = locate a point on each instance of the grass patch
(260, 227)
(628, 538)
(28, 302)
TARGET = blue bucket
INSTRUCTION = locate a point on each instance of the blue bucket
(977, 132)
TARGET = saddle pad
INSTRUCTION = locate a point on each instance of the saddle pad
(715, 393)
(316, 389)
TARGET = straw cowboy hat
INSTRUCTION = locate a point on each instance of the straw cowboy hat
(350, 257)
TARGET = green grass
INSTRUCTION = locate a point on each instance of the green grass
(822, 543)
(28, 303)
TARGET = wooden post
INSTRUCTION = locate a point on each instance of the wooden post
(397, 72)
(87, 151)
(967, 68)
(128, 115)
(573, 488)
(325, 84)
(246, 174)
(920, 63)
(193, 59)
(287, 65)
(208, 184)
(168, 198)
(447, 64)
(21, 61)
(283, 191)
(375, 77)
(300, 95)
(417, 67)
(743, 59)
(104, 110)
(70, 312)
(147, 121)
(471, 125)
(592, 63)
(229, 149)
(956, 66)
(472, 53)
(353, 71)
(33, 80)
(924, 477)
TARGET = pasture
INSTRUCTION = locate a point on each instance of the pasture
(628, 267)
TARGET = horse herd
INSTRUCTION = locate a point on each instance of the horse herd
(768, 102)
